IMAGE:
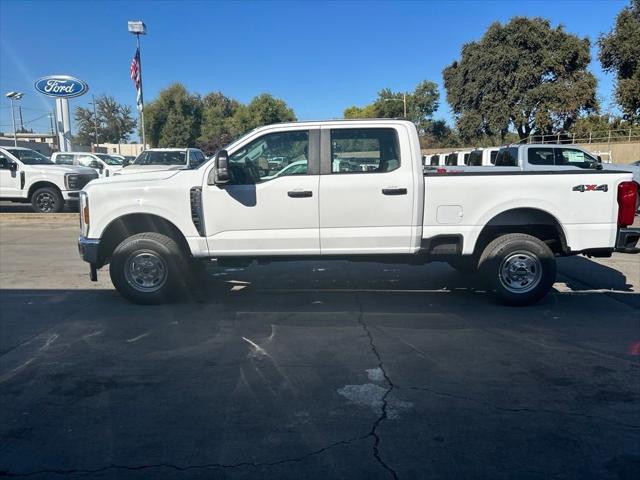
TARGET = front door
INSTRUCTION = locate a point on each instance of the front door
(366, 191)
(9, 179)
(270, 204)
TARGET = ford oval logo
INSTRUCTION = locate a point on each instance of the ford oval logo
(61, 86)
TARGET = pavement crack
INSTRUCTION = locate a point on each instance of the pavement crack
(383, 413)
(179, 468)
(519, 410)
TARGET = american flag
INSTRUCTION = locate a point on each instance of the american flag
(135, 76)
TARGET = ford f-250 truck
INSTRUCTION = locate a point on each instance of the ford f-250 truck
(27, 176)
(153, 227)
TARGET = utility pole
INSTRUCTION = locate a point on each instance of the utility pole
(51, 121)
(404, 102)
(95, 120)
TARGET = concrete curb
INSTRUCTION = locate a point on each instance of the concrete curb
(38, 217)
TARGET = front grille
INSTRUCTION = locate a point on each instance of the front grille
(196, 209)
(85, 178)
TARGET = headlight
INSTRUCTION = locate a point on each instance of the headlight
(71, 181)
(84, 214)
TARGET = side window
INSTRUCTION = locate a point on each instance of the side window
(507, 157)
(451, 159)
(435, 159)
(466, 158)
(64, 159)
(540, 156)
(492, 157)
(574, 157)
(270, 156)
(364, 150)
(4, 162)
(88, 161)
(475, 158)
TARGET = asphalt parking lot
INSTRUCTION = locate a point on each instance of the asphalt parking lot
(313, 370)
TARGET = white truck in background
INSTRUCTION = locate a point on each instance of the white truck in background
(27, 176)
(152, 228)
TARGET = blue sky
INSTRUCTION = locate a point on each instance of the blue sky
(320, 57)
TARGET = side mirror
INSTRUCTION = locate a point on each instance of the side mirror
(13, 166)
(599, 158)
(125, 162)
(595, 165)
(220, 168)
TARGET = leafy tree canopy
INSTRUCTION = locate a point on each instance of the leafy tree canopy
(524, 75)
(620, 54)
(421, 105)
(113, 121)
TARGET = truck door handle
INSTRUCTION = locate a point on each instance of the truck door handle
(300, 193)
(394, 191)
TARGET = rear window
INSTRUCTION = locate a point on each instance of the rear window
(161, 158)
(435, 159)
(451, 159)
(364, 150)
(493, 156)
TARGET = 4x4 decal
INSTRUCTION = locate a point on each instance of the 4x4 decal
(591, 188)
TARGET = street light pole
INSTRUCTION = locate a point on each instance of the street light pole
(14, 96)
(404, 103)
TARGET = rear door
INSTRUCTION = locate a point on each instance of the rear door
(366, 191)
(259, 211)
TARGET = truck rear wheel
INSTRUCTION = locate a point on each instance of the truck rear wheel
(47, 200)
(149, 268)
(521, 269)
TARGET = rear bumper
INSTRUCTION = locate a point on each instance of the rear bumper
(627, 240)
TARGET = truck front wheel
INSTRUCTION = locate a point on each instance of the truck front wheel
(47, 200)
(520, 268)
(149, 268)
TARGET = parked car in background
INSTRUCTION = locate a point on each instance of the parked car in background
(154, 159)
(28, 176)
(483, 157)
(104, 164)
(296, 168)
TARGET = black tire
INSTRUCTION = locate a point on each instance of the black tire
(149, 269)
(47, 200)
(521, 269)
(464, 264)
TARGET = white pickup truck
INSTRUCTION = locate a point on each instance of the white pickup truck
(153, 227)
(28, 176)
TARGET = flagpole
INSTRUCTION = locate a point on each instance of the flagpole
(144, 139)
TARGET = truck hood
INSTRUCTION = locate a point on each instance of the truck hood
(60, 169)
(149, 168)
(140, 177)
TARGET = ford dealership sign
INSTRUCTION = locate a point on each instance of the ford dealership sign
(61, 86)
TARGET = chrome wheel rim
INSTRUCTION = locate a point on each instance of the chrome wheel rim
(46, 202)
(145, 271)
(520, 272)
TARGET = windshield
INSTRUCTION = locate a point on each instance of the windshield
(108, 159)
(30, 157)
(174, 157)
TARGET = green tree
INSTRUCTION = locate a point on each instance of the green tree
(368, 111)
(524, 75)
(174, 118)
(264, 109)
(216, 129)
(620, 53)
(421, 105)
(114, 122)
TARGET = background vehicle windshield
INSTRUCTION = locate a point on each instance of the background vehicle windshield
(108, 159)
(161, 158)
(30, 157)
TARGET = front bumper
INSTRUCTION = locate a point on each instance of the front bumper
(88, 249)
(70, 196)
(627, 240)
